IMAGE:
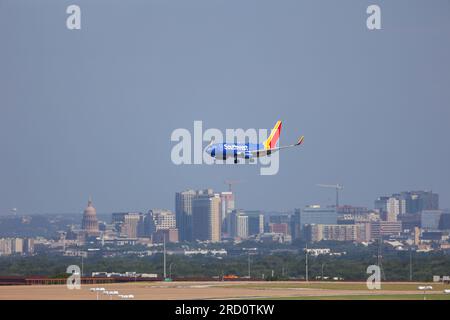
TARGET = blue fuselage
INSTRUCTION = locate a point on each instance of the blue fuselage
(222, 151)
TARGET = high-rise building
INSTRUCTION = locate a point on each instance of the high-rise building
(146, 226)
(128, 223)
(429, 219)
(17, 245)
(407, 202)
(227, 206)
(316, 214)
(295, 224)
(6, 247)
(238, 225)
(206, 219)
(164, 222)
(444, 222)
(90, 223)
(363, 232)
(396, 205)
(418, 201)
(242, 226)
(381, 204)
(380, 229)
(409, 220)
(255, 222)
(336, 232)
(352, 210)
(163, 219)
(28, 246)
(183, 212)
(118, 218)
(10, 246)
(282, 228)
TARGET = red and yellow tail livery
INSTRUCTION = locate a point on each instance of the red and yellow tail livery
(271, 142)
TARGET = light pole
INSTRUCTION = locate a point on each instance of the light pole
(410, 264)
(164, 254)
(170, 269)
(249, 274)
(306, 261)
(323, 264)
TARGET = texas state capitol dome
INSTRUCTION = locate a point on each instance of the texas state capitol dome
(90, 222)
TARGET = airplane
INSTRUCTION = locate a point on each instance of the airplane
(223, 151)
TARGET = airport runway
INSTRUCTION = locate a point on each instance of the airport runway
(204, 290)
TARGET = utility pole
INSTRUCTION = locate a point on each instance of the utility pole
(170, 270)
(322, 271)
(306, 261)
(410, 264)
(249, 274)
(164, 254)
(380, 256)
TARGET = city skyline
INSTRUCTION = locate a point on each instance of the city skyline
(205, 215)
(329, 203)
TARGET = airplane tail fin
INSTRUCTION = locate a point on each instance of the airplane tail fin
(271, 142)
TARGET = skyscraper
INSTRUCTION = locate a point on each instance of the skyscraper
(239, 224)
(163, 219)
(407, 202)
(395, 206)
(381, 204)
(255, 222)
(378, 229)
(183, 213)
(319, 232)
(242, 227)
(430, 219)
(316, 214)
(129, 226)
(227, 205)
(418, 201)
(206, 219)
(160, 223)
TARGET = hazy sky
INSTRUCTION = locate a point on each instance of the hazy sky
(91, 111)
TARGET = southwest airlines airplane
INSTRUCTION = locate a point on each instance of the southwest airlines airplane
(223, 151)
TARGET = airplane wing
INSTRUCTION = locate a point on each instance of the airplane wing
(262, 153)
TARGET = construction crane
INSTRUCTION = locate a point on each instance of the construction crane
(338, 187)
(230, 183)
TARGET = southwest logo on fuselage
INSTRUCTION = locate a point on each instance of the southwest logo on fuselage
(223, 151)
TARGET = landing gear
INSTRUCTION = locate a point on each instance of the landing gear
(235, 158)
